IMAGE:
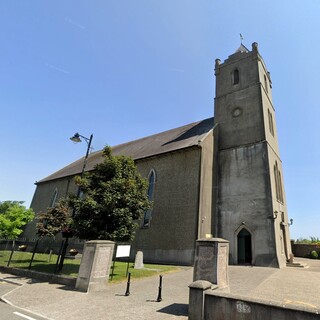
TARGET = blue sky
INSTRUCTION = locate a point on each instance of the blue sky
(125, 69)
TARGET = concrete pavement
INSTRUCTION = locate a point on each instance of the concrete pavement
(61, 302)
(285, 287)
(289, 287)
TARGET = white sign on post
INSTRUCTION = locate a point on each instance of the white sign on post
(123, 251)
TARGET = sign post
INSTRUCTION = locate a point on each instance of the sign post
(122, 251)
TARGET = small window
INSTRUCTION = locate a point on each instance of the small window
(236, 76)
(148, 213)
(266, 83)
(271, 128)
(278, 183)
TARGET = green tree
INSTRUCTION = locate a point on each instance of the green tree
(114, 198)
(13, 216)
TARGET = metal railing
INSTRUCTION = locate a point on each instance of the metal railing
(41, 255)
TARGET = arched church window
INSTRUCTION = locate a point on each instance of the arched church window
(266, 83)
(148, 213)
(54, 198)
(236, 76)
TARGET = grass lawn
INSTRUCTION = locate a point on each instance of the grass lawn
(46, 263)
(42, 262)
(119, 273)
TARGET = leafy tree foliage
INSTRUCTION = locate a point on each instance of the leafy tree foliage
(13, 216)
(54, 220)
(312, 240)
(115, 197)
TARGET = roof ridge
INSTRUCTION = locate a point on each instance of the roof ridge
(160, 133)
(162, 142)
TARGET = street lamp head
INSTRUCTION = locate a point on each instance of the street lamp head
(76, 138)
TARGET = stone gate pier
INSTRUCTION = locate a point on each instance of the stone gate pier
(95, 265)
(210, 272)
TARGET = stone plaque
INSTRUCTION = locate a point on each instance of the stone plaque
(211, 261)
(95, 265)
(102, 261)
(205, 263)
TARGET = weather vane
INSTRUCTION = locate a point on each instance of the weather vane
(241, 38)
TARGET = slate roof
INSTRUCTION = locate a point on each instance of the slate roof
(164, 142)
(242, 48)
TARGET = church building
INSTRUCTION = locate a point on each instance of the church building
(219, 177)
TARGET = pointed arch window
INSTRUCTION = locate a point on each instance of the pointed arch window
(275, 173)
(266, 83)
(54, 198)
(152, 182)
(270, 118)
(280, 187)
(235, 76)
(278, 182)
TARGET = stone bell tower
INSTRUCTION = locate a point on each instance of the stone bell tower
(251, 209)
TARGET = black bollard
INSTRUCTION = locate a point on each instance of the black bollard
(128, 285)
(160, 290)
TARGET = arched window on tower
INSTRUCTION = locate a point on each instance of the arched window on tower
(275, 171)
(278, 183)
(148, 213)
(280, 188)
(235, 76)
(266, 83)
(271, 128)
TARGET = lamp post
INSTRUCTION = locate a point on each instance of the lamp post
(76, 138)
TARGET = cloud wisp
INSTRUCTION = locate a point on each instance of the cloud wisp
(75, 23)
(51, 66)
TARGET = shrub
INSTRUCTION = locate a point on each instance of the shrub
(313, 254)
